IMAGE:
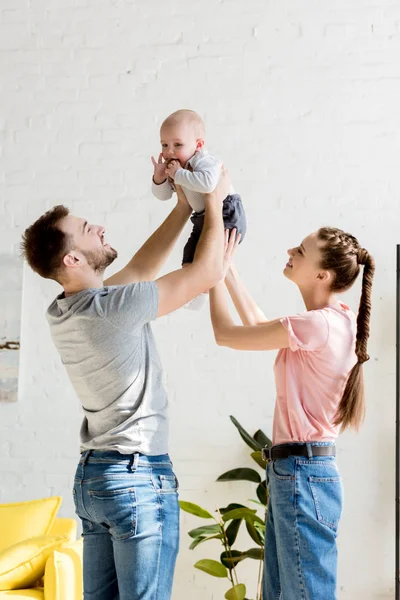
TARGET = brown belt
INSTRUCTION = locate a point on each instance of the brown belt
(286, 450)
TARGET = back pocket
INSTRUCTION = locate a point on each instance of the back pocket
(115, 509)
(327, 494)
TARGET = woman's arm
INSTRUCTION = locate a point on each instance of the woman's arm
(270, 335)
(250, 313)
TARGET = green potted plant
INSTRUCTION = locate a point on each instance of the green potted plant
(228, 520)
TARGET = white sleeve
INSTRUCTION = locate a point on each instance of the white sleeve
(205, 175)
(163, 191)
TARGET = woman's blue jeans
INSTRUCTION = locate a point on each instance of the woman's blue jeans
(128, 505)
(305, 506)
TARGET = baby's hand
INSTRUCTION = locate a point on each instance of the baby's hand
(172, 168)
(159, 170)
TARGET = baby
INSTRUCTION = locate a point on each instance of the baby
(184, 161)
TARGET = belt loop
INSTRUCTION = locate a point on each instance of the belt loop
(266, 454)
(133, 463)
(85, 456)
(309, 450)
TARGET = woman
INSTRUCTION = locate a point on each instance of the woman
(319, 383)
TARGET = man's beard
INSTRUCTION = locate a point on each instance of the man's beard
(99, 260)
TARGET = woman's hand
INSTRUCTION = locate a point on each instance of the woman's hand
(232, 239)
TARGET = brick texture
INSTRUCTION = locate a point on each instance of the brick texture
(301, 99)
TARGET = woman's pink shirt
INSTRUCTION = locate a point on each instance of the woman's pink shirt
(311, 374)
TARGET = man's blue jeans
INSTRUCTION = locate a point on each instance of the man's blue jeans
(128, 505)
(305, 506)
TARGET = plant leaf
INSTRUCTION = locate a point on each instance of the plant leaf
(232, 531)
(260, 527)
(256, 502)
(203, 538)
(262, 493)
(257, 456)
(262, 439)
(231, 507)
(238, 513)
(245, 435)
(255, 520)
(194, 509)
(205, 530)
(212, 567)
(197, 541)
(243, 474)
(256, 553)
(232, 558)
(237, 592)
(254, 533)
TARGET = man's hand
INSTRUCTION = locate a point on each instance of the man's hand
(159, 170)
(172, 167)
(182, 200)
(223, 186)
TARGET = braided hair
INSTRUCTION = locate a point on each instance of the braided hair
(342, 255)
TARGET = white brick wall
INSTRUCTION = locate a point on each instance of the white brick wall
(301, 98)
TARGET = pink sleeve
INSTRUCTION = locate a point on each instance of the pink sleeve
(308, 331)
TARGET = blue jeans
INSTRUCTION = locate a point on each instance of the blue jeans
(304, 509)
(128, 505)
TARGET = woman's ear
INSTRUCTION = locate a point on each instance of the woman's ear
(324, 276)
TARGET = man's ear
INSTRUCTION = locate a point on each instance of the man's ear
(72, 260)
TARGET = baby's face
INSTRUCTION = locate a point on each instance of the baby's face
(179, 142)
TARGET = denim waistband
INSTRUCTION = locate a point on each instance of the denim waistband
(303, 443)
(109, 456)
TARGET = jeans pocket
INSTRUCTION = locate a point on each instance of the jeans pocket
(116, 510)
(166, 484)
(327, 494)
(283, 469)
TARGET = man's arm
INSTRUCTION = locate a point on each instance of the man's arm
(148, 260)
(177, 288)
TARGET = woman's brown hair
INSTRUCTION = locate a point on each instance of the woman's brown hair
(342, 255)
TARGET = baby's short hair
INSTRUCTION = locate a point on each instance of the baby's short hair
(188, 116)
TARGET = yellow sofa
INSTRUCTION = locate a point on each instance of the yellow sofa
(63, 572)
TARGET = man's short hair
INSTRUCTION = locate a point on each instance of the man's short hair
(44, 245)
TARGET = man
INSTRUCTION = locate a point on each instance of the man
(125, 491)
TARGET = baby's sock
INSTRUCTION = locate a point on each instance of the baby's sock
(197, 303)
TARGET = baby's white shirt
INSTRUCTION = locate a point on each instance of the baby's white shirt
(202, 180)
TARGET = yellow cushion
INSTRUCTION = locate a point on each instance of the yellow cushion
(34, 593)
(66, 527)
(63, 574)
(23, 564)
(24, 520)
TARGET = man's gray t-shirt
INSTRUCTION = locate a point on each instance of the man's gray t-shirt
(106, 344)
